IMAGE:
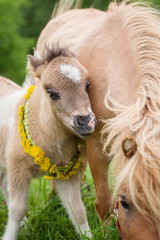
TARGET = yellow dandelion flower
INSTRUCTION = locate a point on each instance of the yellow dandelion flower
(72, 173)
(48, 177)
(77, 165)
(38, 160)
(45, 164)
(29, 92)
(37, 152)
(53, 169)
(41, 154)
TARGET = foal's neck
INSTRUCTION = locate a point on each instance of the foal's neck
(47, 131)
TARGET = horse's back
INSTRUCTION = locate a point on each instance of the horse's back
(7, 87)
(8, 100)
(10, 94)
(72, 25)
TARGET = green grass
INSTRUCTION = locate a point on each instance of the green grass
(48, 220)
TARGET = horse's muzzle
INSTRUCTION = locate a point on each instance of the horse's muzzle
(84, 125)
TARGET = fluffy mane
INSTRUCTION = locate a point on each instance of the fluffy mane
(140, 174)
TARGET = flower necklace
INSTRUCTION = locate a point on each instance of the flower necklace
(53, 171)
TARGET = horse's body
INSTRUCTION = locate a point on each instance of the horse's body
(54, 115)
(9, 95)
(121, 50)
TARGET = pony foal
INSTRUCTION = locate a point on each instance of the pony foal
(56, 108)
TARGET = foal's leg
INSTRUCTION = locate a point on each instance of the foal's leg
(4, 186)
(17, 207)
(99, 167)
(69, 193)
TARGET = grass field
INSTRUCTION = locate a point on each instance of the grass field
(48, 220)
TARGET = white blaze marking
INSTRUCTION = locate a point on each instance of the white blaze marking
(71, 72)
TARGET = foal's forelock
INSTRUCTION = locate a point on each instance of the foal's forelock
(46, 56)
(141, 120)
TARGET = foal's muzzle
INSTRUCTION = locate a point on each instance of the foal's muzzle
(84, 125)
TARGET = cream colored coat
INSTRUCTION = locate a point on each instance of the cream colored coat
(59, 111)
(120, 49)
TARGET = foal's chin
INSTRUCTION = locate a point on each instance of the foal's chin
(83, 133)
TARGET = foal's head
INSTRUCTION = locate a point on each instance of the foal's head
(64, 81)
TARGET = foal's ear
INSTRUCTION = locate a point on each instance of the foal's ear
(129, 147)
(35, 64)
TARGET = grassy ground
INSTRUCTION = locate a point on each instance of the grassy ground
(47, 219)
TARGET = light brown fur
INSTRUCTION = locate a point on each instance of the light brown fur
(120, 49)
(52, 126)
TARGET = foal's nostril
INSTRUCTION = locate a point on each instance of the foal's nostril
(81, 121)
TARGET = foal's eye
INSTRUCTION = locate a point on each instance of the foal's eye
(53, 94)
(124, 204)
(87, 86)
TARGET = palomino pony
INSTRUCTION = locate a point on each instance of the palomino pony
(49, 118)
(120, 49)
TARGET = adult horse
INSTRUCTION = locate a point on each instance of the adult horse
(36, 134)
(121, 50)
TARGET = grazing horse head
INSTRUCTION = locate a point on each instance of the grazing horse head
(135, 130)
(65, 85)
(132, 224)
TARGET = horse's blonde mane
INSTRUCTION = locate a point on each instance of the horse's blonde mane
(141, 121)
